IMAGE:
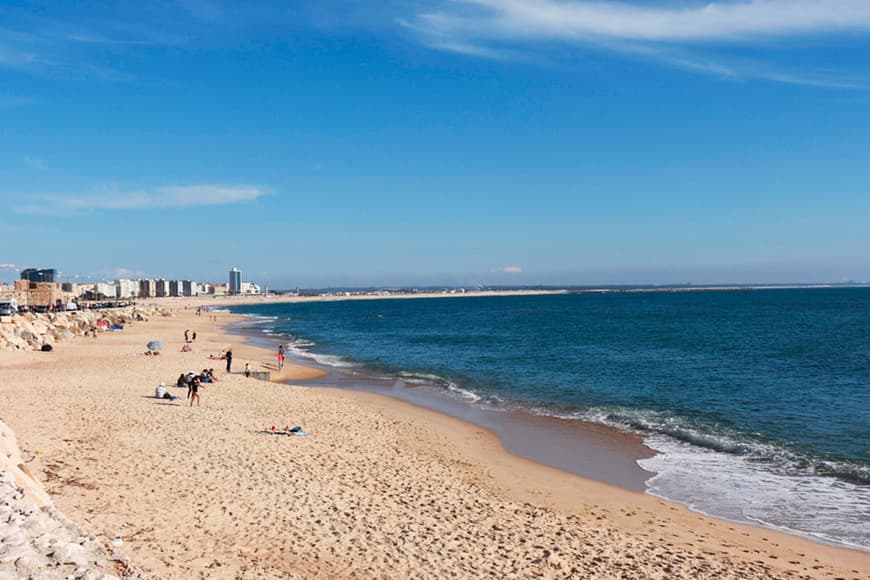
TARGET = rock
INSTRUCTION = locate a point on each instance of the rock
(29, 566)
(70, 553)
(10, 552)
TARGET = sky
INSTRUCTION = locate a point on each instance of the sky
(430, 142)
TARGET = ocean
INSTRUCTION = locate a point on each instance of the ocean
(756, 402)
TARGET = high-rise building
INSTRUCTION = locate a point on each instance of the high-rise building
(162, 288)
(36, 275)
(235, 285)
(147, 288)
(126, 289)
(188, 288)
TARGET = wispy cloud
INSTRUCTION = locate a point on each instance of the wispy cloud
(668, 32)
(711, 21)
(174, 196)
(93, 39)
(121, 273)
(512, 270)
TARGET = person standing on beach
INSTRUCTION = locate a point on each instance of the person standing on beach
(229, 356)
(194, 336)
(194, 390)
(186, 338)
(280, 357)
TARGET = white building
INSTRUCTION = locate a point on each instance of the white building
(249, 288)
(189, 288)
(106, 289)
(162, 288)
(126, 289)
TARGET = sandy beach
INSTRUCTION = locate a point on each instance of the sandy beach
(380, 489)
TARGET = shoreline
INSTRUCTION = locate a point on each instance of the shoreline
(413, 488)
(609, 455)
(587, 437)
(591, 450)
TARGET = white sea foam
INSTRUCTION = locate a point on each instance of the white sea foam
(739, 487)
(300, 348)
(438, 381)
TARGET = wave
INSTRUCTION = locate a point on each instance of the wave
(739, 488)
(774, 457)
(439, 381)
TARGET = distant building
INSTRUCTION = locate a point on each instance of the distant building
(38, 293)
(105, 289)
(126, 289)
(36, 275)
(218, 289)
(175, 288)
(189, 288)
(235, 285)
(249, 288)
(147, 288)
(162, 288)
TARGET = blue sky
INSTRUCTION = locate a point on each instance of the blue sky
(438, 142)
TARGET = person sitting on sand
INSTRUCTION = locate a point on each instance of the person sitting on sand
(181, 382)
(204, 377)
(161, 393)
(185, 348)
(248, 370)
(212, 376)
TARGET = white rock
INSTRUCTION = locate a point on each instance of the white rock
(10, 553)
(70, 553)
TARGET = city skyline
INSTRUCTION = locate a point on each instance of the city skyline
(416, 143)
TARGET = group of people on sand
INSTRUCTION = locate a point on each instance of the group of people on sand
(194, 382)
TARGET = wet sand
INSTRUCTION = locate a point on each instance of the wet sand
(382, 488)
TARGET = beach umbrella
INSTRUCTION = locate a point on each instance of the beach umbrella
(155, 345)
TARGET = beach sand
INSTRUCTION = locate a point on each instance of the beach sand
(381, 489)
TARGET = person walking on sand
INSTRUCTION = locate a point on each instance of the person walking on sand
(186, 337)
(194, 390)
(229, 356)
(248, 370)
(194, 336)
(280, 357)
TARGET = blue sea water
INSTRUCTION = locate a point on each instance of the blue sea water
(758, 402)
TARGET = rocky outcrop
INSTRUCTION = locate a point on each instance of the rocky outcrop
(36, 540)
(29, 331)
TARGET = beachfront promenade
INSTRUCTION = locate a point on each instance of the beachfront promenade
(380, 488)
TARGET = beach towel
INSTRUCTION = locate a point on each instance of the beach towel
(289, 431)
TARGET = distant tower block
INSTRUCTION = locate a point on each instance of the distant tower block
(235, 286)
